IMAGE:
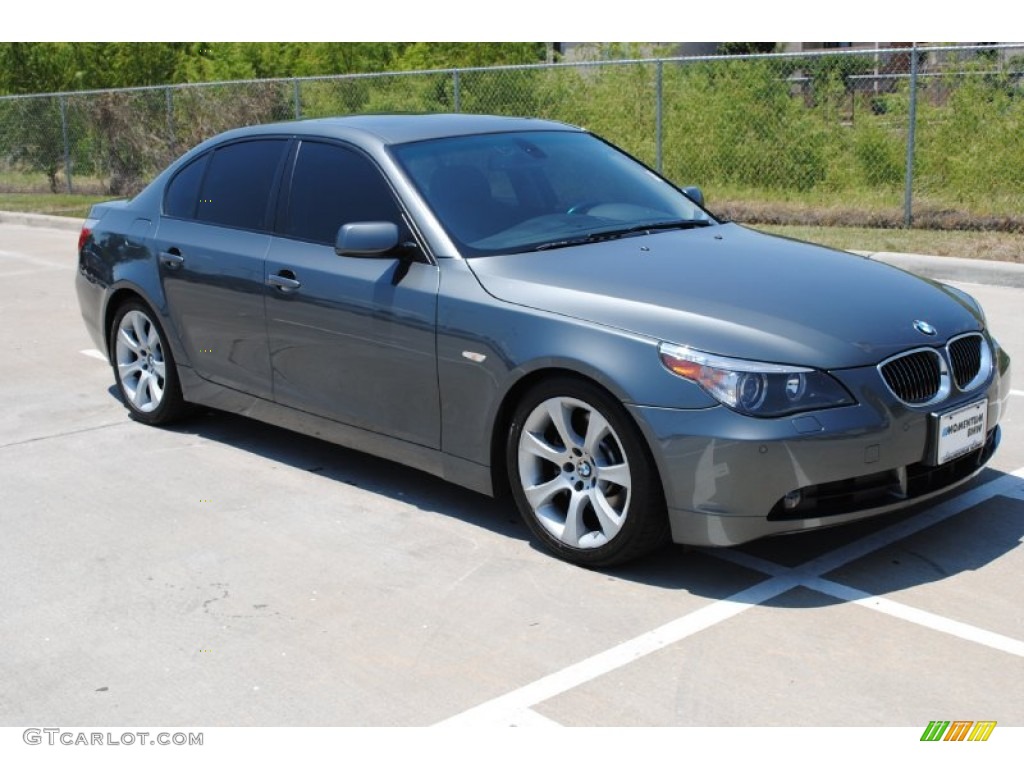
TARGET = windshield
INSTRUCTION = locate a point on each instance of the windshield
(512, 192)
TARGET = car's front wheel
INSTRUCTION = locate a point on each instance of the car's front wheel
(582, 477)
(144, 366)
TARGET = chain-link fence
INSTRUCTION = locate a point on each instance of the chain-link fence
(875, 137)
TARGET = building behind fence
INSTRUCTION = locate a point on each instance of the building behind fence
(871, 137)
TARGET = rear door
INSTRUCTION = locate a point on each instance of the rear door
(352, 339)
(212, 242)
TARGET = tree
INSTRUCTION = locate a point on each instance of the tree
(456, 55)
(737, 49)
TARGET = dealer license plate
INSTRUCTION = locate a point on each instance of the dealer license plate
(961, 431)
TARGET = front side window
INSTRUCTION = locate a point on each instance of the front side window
(332, 186)
(238, 183)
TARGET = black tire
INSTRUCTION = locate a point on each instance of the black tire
(143, 364)
(594, 500)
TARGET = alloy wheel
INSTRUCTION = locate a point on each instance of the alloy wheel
(140, 362)
(574, 472)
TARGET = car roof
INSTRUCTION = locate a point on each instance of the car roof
(401, 129)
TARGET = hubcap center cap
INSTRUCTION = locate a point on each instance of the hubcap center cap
(584, 469)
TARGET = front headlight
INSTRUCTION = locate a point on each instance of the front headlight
(754, 388)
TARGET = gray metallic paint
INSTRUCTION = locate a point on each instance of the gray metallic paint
(215, 301)
(586, 310)
(734, 292)
(715, 505)
(353, 346)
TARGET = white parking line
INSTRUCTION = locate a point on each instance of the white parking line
(508, 708)
(94, 353)
(514, 706)
(918, 616)
(855, 550)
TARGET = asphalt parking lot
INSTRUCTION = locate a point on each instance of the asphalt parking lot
(225, 572)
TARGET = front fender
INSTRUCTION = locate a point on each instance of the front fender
(485, 347)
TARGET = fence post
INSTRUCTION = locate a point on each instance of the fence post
(456, 90)
(296, 98)
(908, 186)
(170, 121)
(67, 147)
(657, 115)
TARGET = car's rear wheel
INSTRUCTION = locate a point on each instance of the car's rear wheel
(144, 366)
(581, 475)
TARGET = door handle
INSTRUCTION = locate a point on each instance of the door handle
(284, 281)
(171, 258)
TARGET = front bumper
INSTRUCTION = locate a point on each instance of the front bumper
(726, 475)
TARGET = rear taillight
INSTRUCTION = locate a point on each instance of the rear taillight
(84, 235)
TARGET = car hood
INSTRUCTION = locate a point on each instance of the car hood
(731, 291)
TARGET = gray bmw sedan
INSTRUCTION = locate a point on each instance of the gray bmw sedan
(518, 306)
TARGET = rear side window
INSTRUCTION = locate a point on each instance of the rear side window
(182, 195)
(332, 186)
(238, 183)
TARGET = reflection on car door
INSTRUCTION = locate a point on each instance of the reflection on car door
(347, 340)
(211, 243)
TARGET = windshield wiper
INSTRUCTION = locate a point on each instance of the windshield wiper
(674, 224)
(612, 234)
(566, 243)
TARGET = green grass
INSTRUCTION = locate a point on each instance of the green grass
(998, 246)
(865, 201)
(74, 206)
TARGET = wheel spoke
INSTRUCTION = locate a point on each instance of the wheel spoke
(153, 339)
(574, 519)
(540, 495)
(597, 428)
(559, 416)
(125, 370)
(616, 473)
(535, 445)
(160, 369)
(154, 389)
(126, 338)
(139, 326)
(609, 519)
(140, 390)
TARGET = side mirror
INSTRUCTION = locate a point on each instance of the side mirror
(694, 194)
(366, 239)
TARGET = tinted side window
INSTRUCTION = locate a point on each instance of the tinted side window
(238, 183)
(332, 186)
(182, 193)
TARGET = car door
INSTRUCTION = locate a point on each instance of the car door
(211, 242)
(351, 339)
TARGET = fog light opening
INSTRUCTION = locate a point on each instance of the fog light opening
(792, 499)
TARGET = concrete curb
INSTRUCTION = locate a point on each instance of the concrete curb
(1002, 273)
(40, 220)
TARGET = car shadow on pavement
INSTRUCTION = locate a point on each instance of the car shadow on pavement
(967, 540)
(361, 470)
(972, 537)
